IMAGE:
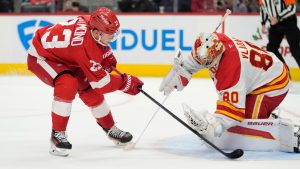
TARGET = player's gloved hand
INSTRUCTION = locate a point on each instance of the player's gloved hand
(177, 78)
(131, 84)
(203, 122)
(108, 63)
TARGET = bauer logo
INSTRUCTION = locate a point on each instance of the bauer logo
(26, 30)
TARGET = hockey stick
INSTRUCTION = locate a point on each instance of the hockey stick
(132, 144)
(228, 12)
(232, 155)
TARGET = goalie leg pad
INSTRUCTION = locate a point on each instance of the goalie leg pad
(260, 135)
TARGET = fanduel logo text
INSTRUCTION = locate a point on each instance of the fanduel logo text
(34, 24)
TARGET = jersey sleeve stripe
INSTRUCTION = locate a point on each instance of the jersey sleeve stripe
(276, 80)
(278, 83)
(47, 68)
(32, 51)
(102, 82)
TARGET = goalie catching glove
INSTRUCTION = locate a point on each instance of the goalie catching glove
(203, 122)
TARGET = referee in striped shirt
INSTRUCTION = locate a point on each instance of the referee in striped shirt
(282, 16)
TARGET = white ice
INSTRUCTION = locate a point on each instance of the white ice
(25, 125)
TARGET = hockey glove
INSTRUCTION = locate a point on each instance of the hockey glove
(180, 74)
(195, 119)
(177, 78)
(131, 84)
(203, 122)
(108, 63)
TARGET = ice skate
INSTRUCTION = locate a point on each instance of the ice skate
(119, 137)
(60, 146)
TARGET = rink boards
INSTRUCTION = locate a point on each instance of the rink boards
(147, 43)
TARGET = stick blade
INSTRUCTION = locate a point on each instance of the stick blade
(235, 154)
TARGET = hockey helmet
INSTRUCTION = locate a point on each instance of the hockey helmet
(207, 49)
(104, 20)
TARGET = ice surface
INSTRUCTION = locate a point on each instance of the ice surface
(25, 125)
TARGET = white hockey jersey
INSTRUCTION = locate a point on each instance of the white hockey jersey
(246, 69)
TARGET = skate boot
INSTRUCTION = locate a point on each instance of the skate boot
(60, 146)
(118, 136)
(297, 135)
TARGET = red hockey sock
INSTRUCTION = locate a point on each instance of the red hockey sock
(107, 121)
(59, 123)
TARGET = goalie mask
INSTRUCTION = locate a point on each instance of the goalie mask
(207, 49)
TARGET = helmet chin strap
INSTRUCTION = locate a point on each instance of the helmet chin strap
(98, 40)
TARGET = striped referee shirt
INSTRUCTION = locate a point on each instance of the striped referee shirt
(281, 9)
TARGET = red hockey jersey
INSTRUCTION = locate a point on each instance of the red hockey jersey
(71, 43)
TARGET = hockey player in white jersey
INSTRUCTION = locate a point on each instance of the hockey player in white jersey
(251, 83)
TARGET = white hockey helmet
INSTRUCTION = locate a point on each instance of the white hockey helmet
(207, 49)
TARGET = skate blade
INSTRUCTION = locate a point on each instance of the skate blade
(59, 151)
(118, 143)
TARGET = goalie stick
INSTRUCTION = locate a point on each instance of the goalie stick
(228, 12)
(233, 155)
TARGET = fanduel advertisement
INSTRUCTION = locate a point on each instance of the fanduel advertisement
(144, 39)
